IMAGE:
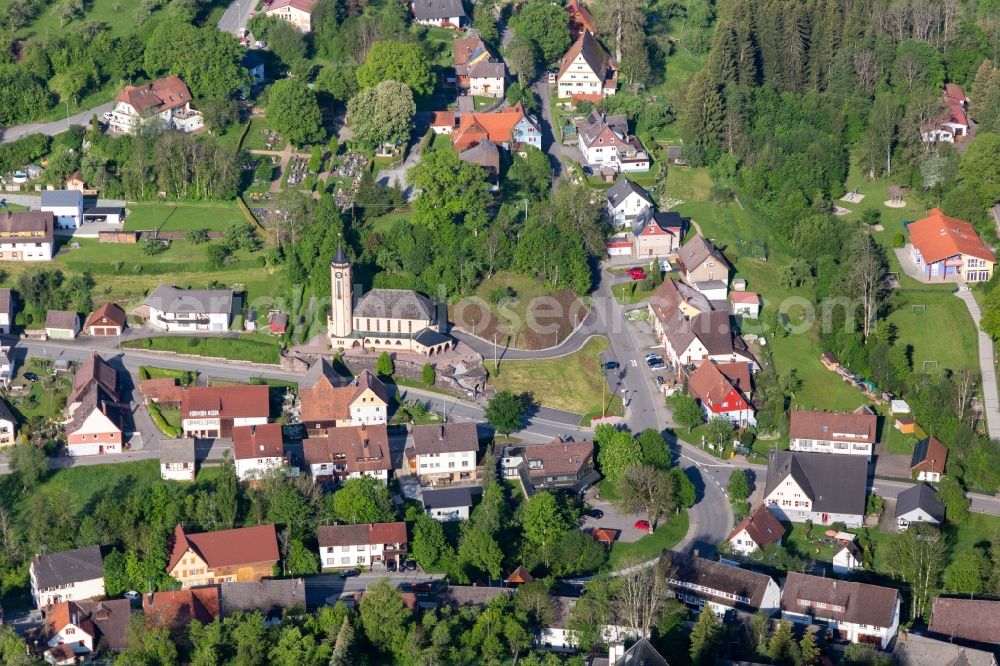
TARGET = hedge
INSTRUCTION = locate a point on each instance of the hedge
(161, 423)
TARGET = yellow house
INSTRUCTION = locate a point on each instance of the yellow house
(243, 555)
(296, 12)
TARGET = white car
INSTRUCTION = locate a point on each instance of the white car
(106, 115)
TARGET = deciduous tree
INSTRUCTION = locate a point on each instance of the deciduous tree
(382, 114)
(293, 112)
(389, 60)
(646, 489)
(543, 24)
(505, 412)
(363, 500)
(687, 413)
(617, 450)
(917, 556)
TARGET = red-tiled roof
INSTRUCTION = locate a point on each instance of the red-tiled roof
(229, 401)
(745, 297)
(443, 119)
(174, 609)
(306, 6)
(110, 312)
(225, 548)
(762, 526)
(858, 426)
(708, 384)
(161, 389)
(359, 448)
(939, 237)
(323, 401)
(160, 95)
(497, 127)
(258, 441)
(65, 613)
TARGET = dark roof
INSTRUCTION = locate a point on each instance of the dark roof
(95, 373)
(166, 298)
(446, 498)
(721, 578)
(5, 412)
(6, 303)
(340, 259)
(62, 319)
(553, 458)
(268, 596)
(111, 618)
(929, 455)
(845, 601)
(62, 198)
(762, 526)
(431, 10)
(177, 450)
(395, 303)
(104, 210)
(622, 189)
(470, 595)
(70, 566)
(428, 337)
(666, 220)
(915, 650)
(970, 619)
(834, 483)
(484, 154)
(445, 438)
(693, 253)
(368, 534)
(593, 53)
(641, 654)
(25, 224)
(920, 497)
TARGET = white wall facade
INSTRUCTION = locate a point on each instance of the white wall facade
(356, 555)
(742, 544)
(79, 591)
(790, 503)
(255, 468)
(189, 322)
(629, 208)
(25, 251)
(66, 217)
(852, 631)
(844, 562)
(829, 446)
(73, 636)
(177, 471)
(329, 469)
(579, 79)
(914, 516)
(448, 514)
(438, 464)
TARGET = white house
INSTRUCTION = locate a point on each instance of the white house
(71, 575)
(348, 452)
(818, 487)
(7, 365)
(587, 71)
(166, 102)
(918, 504)
(701, 583)
(439, 13)
(855, 612)
(847, 559)
(6, 311)
(447, 504)
(755, 532)
(297, 12)
(745, 303)
(66, 207)
(714, 290)
(188, 310)
(26, 235)
(604, 142)
(445, 453)
(930, 456)
(213, 411)
(361, 545)
(71, 627)
(626, 201)
(257, 450)
(833, 432)
(8, 425)
(177, 460)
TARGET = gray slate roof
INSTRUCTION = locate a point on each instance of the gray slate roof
(62, 319)
(665, 220)
(62, 198)
(67, 567)
(177, 451)
(447, 498)
(622, 189)
(166, 298)
(432, 10)
(445, 438)
(720, 578)
(915, 650)
(396, 304)
(834, 483)
(5, 413)
(642, 654)
(428, 337)
(270, 597)
(6, 303)
(920, 497)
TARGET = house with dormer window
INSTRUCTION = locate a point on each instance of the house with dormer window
(705, 584)
(833, 432)
(556, 464)
(855, 612)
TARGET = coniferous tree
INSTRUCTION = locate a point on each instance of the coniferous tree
(702, 120)
(705, 639)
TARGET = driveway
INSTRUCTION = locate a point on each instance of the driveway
(392, 176)
(987, 369)
(613, 519)
(549, 142)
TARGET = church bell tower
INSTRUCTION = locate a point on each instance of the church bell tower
(340, 291)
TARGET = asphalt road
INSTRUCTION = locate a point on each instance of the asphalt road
(15, 132)
(236, 16)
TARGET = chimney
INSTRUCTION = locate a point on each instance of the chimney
(616, 651)
(364, 445)
(441, 432)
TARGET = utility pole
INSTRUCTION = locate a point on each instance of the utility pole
(496, 365)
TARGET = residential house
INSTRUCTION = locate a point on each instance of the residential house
(928, 461)
(76, 182)
(484, 154)
(855, 612)
(349, 452)
(847, 559)
(96, 412)
(439, 13)
(213, 411)
(175, 609)
(656, 234)
(177, 459)
(6, 311)
(724, 390)
(62, 324)
(188, 310)
(253, 62)
(605, 142)
(460, 596)
(330, 400)
(625, 201)
(241, 555)
(445, 453)
(7, 365)
(556, 634)
(818, 487)
(972, 620)
(916, 650)
(476, 69)
(66, 207)
(918, 504)
(296, 12)
(587, 71)
(509, 128)
(746, 304)
(953, 124)
(673, 301)
(943, 247)
(701, 261)
(72, 575)
(755, 532)
(443, 122)
(26, 235)
(361, 545)
(642, 653)
(448, 504)
(270, 597)
(716, 291)
(701, 583)
(165, 102)
(834, 432)
(277, 323)
(164, 391)
(109, 319)
(551, 466)
(258, 449)
(86, 627)
(580, 19)
(8, 425)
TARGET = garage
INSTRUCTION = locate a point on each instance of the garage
(104, 214)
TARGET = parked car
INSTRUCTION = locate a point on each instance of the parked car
(350, 573)
(390, 566)
(594, 513)
(658, 367)
(410, 565)
(656, 360)
(636, 273)
(653, 357)
(611, 365)
(106, 115)
(31, 377)
(132, 595)
(643, 525)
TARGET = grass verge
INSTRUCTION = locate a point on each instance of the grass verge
(257, 349)
(667, 535)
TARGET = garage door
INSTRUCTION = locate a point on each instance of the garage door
(105, 330)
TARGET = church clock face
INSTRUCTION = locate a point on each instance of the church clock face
(339, 275)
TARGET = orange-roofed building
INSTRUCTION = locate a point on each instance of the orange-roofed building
(520, 576)
(165, 100)
(723, 390)
(443, 122)
(944, 247)
(174, 609)
(508, 128)
(242, 555)
(953, 124)
(580, 19)
(257, 450)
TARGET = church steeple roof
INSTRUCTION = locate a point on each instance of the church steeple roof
(340, 259)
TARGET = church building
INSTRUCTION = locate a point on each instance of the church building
(383, 319)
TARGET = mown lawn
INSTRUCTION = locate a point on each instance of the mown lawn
(385, 223)
(257, 137)
(247, 347)
(213, 216)
(977, 531)
(667, 535)
(941, 331)
(571, 382)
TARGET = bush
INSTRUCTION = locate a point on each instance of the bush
(899, 240)
(428, 375)
(154, 246)
(500, 293)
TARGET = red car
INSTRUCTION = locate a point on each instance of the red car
(636, 273)
(643, 525)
